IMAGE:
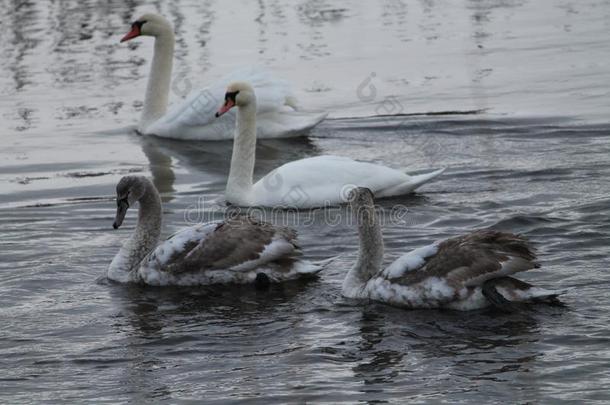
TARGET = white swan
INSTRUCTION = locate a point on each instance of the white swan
(465, 272)
(194, 117)
(237, 250)
(306, 183)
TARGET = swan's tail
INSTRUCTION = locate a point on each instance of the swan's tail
(312, 119)
(324, 263)
(409, 186)
(550, 297)
(311, 268)
(426, 177)
(504, 292)
(288, 123)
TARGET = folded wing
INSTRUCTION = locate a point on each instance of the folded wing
(470, 260)
(237, 244)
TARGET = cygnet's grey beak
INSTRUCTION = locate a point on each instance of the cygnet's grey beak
(121, 209)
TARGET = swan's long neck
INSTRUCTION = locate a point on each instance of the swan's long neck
(159, 80)
(143, 241)
(370, 253)
(239, 184)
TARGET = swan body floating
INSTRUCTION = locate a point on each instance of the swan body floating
(193, 119)
(307, 183)
(237, 250)
(463, 273)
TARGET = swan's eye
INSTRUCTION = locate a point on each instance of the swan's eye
(138, 24)
(231, 96)
(122, 201)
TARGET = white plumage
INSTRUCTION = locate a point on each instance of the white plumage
(277, 114)
(193, 118)
(326, 180)
(467, 272)
(306, 183)
(236, 250)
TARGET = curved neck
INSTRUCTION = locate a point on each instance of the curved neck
(148, 228)
(142, 241)
(239, 184)
(370, 252)
(157, 89)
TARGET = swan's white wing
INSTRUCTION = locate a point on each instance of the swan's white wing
(178, 245)
(194, 118)
(322, 180)
(414, 260)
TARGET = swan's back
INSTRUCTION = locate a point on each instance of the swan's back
(472, 259)
(194, 118)
(322, 180)
(235, 250)
(454, 273)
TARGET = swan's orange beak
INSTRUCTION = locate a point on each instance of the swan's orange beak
(135, 32)
(225, 107)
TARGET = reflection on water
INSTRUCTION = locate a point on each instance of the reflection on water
(304, 342)
(212, 159)
(431, 56)
(160, 166)
(484, 346)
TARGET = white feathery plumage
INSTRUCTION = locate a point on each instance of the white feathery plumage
(306, 183)
(463, 273)
(236, 250)
(194, 118)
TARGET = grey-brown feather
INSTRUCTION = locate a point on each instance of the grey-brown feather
(472, 259)
(235, 241)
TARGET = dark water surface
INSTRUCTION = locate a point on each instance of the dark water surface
(535, 160)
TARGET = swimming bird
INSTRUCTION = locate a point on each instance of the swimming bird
(466, 272)
(193, 119)
(240, 249)
(306, 183)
